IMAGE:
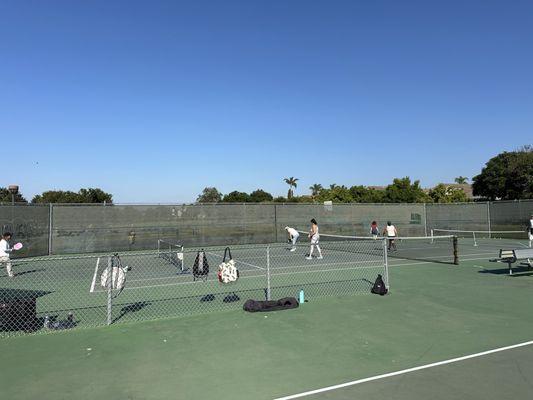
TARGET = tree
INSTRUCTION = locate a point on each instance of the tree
(259, 195)
(337, 194)
(447, 194)
(403, 191)
(236, 197)
(280, 199)
(292, 184)
(315, 189)
(362, 194)
(94, 195)
(461, 180)
(89, 195)
(5, 196)
(209, 195)
(507, 176)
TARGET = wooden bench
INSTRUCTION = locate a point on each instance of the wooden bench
(512, 256)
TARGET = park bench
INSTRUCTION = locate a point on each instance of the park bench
(512, 256)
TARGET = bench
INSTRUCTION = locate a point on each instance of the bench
(512, 256)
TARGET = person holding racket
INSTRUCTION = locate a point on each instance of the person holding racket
(314, 237)
(293, 236)
(391, 233)
(5, 250)
(374, 230)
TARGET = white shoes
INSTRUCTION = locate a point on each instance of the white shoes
(320, 257)
(308, 258)
(293, 249)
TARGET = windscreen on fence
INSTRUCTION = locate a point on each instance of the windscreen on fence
(29, 225)
(510, 215)
(462, 216)
(352, 219)
(82, 228)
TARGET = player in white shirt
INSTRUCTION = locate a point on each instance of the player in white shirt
(391, 233)
(5, 250)
(530, 231)
(315, 238)
(293, 235)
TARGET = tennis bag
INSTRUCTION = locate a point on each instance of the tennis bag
(200, 268)
(276, 305)
(379, 286)
(227, 271)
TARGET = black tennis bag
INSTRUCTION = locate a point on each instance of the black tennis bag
(274, 305)
(379, 286)
(200, 268)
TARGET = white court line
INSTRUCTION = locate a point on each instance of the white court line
(404, 371)
(94, 276)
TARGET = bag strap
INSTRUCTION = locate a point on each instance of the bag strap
(227, 253)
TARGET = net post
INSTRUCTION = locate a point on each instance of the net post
(109, 291)
(268, 291)
(385, 262)
(455, 251)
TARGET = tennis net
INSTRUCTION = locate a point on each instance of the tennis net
(480, 237)
(439, 249)
(171, 253)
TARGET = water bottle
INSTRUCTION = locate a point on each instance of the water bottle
(301, 297)
(46, 322)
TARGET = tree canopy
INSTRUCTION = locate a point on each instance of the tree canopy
(89, 195)
(209, 195)
(447, 194)
(5, 196)
(507, 176)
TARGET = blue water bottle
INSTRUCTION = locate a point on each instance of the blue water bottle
(301, 298)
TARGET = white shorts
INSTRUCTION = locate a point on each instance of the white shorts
(315, 238)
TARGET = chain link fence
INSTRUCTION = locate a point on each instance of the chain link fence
(59, 293)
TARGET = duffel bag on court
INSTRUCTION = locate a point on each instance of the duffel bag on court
(271, 305)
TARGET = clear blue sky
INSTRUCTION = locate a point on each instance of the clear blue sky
(154, 100)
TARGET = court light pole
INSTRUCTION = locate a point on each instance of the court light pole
(13, 189)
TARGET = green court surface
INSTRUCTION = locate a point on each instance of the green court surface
(435, 312)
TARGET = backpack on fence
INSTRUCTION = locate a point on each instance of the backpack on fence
(200, 269)
(227, 271)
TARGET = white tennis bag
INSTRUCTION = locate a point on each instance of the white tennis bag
(118, 274)
(227, 271)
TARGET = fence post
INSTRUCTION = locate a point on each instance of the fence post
(276, 223)
(50, 228)
(385, 262)
(488, 218)
(268, 293)
(109, 291)
(425, 220)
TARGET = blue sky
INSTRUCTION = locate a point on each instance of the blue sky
(153, 101)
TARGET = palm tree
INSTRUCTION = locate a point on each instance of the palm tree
(292, 184)
(315, 189)
(333, 186)
(461, 180)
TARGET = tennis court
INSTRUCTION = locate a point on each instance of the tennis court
(440, 320)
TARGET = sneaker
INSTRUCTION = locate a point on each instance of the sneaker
(308, 258)
(293, 249)
(320, 257)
